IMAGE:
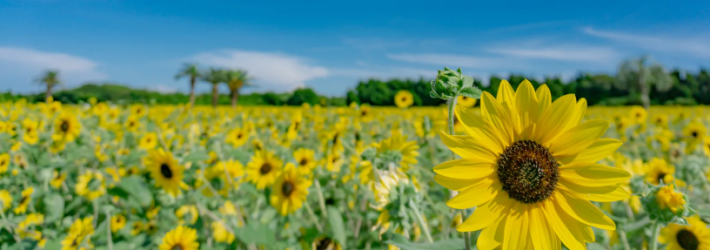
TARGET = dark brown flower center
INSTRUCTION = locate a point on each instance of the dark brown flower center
(166, 171)
(265, 168)
(176, 247)
(287, 188)
(528, 172)
(660, 178)
(694, 134)
(325, 244)
(239, 136)
(303, 162)
(687, 240)
(64, 126)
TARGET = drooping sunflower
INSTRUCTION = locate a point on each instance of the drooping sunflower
(148, 141)
(465, 102)
(263, 169)
(237, 137)
(695, 236)
(289, 191)
(66, 128)
(529, 166)
(24, 201)
(182, 238)
(165, 170)
(403, 99)
(305, 159)
(91, 185)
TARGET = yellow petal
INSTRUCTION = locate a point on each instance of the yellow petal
(583, 211)
(471, 168)
(475, 195)
(466, 147)
(579, 230)
(495, 114)
(516, 228)
(486, 214)
(600, 149)
(542, 235)
(555, 119)
(578, 138)
(453, 183)
(544, 99)
(481, 131)
(592, 174)
(506, 94)
(526, 105)
(492, 236)
(560, 228)
(618, 194)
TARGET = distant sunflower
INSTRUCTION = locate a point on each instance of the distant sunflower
(4, 162)
(221, 234)
(165, 170)
(403, 99)
(324, 243)
(695, 236)
(660, 120)
(334, 161)
(66, 128)
(24, 201)
(465, 102)
(529, 167)
(365, 113)
(263, 169)
(305, 160)
(658, 170)
(132, 124)
(118, 222)
(180, 238)
(638, 114)
(148, 141)
(289, 191)
(186, 213)
(237, 137)
(694, 132)
(706, 147)
(91, 185)
(5, 200)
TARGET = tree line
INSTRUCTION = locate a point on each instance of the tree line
(637, 82)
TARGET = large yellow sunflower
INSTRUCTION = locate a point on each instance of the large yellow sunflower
(289, 191)
(263, 169)
(180, 238)
(529, 167)
(695, 236)
(66, 128)
(165, 170)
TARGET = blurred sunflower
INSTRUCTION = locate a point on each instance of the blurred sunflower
(66, 128)
(658, 170)
(237, 137)
(180, 238)
(24, 201)
(186, 213)
(694, 132)
(30, 135)
(148, 141)
(5, 200)
(289, 191)
(91, 185)
(325, 243)
(638, 115)
(263, 169)
(465, 102)
(4, 162)
(403, 99)
(365, 113)
(305, 159)
(397, 148)
(660, 120)
(694, 236)
(118, 222)
(165, 170)
(221, 234)
(132, 124)
(529, 166)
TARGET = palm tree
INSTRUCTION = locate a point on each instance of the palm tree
(49, 78)
(639, 77)
(215, 77)
(236, 79)
(192, 71)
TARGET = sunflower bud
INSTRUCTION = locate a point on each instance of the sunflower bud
(666, 205)
(450, 84)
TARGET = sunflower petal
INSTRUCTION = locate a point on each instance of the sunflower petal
(578, 138)
(475, 195)
(541, 234)
(560, 227)
(506, 94)
(516, 229)
(453, 183)
(485, 214)
(478, 129)
(526, 105)
(598, 150)
(583, 211)
(544, 100)
(498, 117)
(592, 174)
(466, 147)
(555, 118)
(492, 236)
(471, 168)
(620, 193)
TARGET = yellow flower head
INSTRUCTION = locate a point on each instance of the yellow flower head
(289, 191)
(403, 99)
(182, 237)
(91, 185)
(667, 197)
(165, 170)
(263, 169)
(148, 141)
(117, 222)
(694, 236)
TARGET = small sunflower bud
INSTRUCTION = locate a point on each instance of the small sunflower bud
(667, 205)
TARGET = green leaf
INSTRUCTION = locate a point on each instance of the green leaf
(198, 156)
(470, 92)
(336, 224)
(256, 233)
(136, 188)
(54, 209)
(404, 244)
(467, 81)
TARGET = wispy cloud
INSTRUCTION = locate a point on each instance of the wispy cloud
(384, 73)
(26, 64)
(573, 53)
(448, 60)
(688, 45)
(277, 71)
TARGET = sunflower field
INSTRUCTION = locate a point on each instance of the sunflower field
(506, 170)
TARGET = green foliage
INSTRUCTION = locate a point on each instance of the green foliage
(303, 95)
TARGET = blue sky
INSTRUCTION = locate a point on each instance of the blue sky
(330, 45)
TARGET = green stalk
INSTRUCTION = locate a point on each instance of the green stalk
(623, 239)
(108, 231)
(654, 235)
(422, 222)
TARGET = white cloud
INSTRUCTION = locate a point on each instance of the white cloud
(25, 65)
(277, 71)
(688, 45)
(562, 53)
(390, 72)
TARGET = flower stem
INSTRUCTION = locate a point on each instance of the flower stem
(108, 231)
(452, 105)
(321, 201)
(623, 239)
(654, 235)
(313, 216)
(420, 218)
